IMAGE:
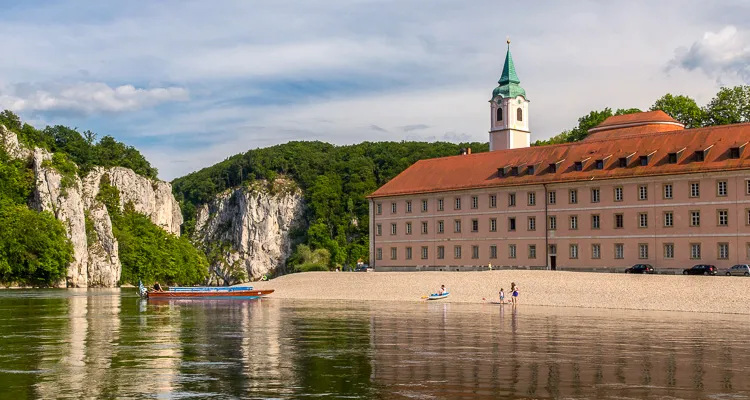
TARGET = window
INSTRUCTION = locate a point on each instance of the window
(424, 205)
(493, 201)
(532, 251)
(512, 224)
(457, 203)
(596, 251)
(578, 166)
(408, 206)
(499, 114)
(474, 252)
(667, 190)
(573, 196)
(672, 158)
(532, 223)
(408, 228)
(378, 230)
(700, 155)
(643, 220)
(441, 205)
(668, 250)
(379, 254)
(734, 152)
(695, 251)
(531, 170)
(723, 217)
(532, 198)
(595, 195)
(721, 188)
(511, 199)
(748, 250)
(474, 201)
(393, 208)
(623, 161)
(457, 226)
(668, 219)
(424, 252)
(394, 253)
(695, 218)
(643, 160)
(747, 216)
(441, 226)
(619, 251)
(514, 171)
(519, 114)
(393, 229)
(552, 197)
(723, 251)
(619, 221)
(552, 168)
(573, 251)
(493, 224)
(424, 228)
(379, 208)
(511, 251)
(599, 164)
(618, 193)
(552, 222)
(573, 222)
(493, 251)
(474, 225)
(695, 189)
(642, 192)
(595, 221)
(643, 251)
(747, 187)
(457, 252)
(440, 252)
(408, 253)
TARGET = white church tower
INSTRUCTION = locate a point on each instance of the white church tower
(509, 116)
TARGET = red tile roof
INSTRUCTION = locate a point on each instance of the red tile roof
(480, 170)
(642, 117)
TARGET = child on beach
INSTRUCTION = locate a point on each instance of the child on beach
(514, 290)
(502, 295)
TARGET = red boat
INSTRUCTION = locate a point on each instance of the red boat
(241, 292)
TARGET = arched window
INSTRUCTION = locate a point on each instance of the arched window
(499, 114)
(519, 114)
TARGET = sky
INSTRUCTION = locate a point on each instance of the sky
(190, 83)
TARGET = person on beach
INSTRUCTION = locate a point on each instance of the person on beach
(514, 290)
(502, 295)
(489, 265)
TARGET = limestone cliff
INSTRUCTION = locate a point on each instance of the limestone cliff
(246, 231)
(89, 227)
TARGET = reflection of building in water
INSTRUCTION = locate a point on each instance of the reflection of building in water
(509, 353)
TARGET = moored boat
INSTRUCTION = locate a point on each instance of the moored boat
(436, 296)
(237, 292)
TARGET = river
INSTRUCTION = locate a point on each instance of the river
(108, 344)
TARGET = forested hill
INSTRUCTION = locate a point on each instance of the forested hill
(335, 180)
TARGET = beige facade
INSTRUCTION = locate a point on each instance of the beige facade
(671, 222)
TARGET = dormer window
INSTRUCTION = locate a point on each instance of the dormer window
(514, 171)
(553, 168)
(519, 114)
(530, 170)
(599, 164)
(499, 114)
(643, 160)
(734, 152)
(700, 155)
(672, 158)
(578, 166)
(623, 162)
(501, 172)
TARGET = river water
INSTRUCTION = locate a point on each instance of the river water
(108, 344)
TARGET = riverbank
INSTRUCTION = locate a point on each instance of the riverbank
(709, 294)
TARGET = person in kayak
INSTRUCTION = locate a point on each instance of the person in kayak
(157, 287)
(442, 290)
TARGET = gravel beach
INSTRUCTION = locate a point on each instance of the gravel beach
(710, 294)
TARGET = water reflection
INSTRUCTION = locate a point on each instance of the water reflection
(108, 344)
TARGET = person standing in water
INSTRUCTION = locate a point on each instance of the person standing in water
(514, 290)
(502, 295)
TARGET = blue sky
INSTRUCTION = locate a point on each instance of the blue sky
(190, 83)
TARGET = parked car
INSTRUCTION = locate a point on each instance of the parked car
(640, 269)
(701, 269)
(361, 268)
(739, 269)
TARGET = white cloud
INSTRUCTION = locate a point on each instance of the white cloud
(723, 55)
(86, 98)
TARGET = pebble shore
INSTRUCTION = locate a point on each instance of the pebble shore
(707, 294)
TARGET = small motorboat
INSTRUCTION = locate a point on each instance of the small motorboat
(234, 292)
(436, 296)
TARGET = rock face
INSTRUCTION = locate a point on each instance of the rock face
(151, 198)
(95, 253)
(251, 227)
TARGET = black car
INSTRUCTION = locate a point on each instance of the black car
(701, 269)
(640, 269)
(361, 268)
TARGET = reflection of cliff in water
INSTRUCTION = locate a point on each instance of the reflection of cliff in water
(453, 351)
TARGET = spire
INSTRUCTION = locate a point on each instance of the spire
(509, 70)
(508, 83)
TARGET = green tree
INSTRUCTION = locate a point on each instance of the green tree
(682, 108)
(729, 106)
